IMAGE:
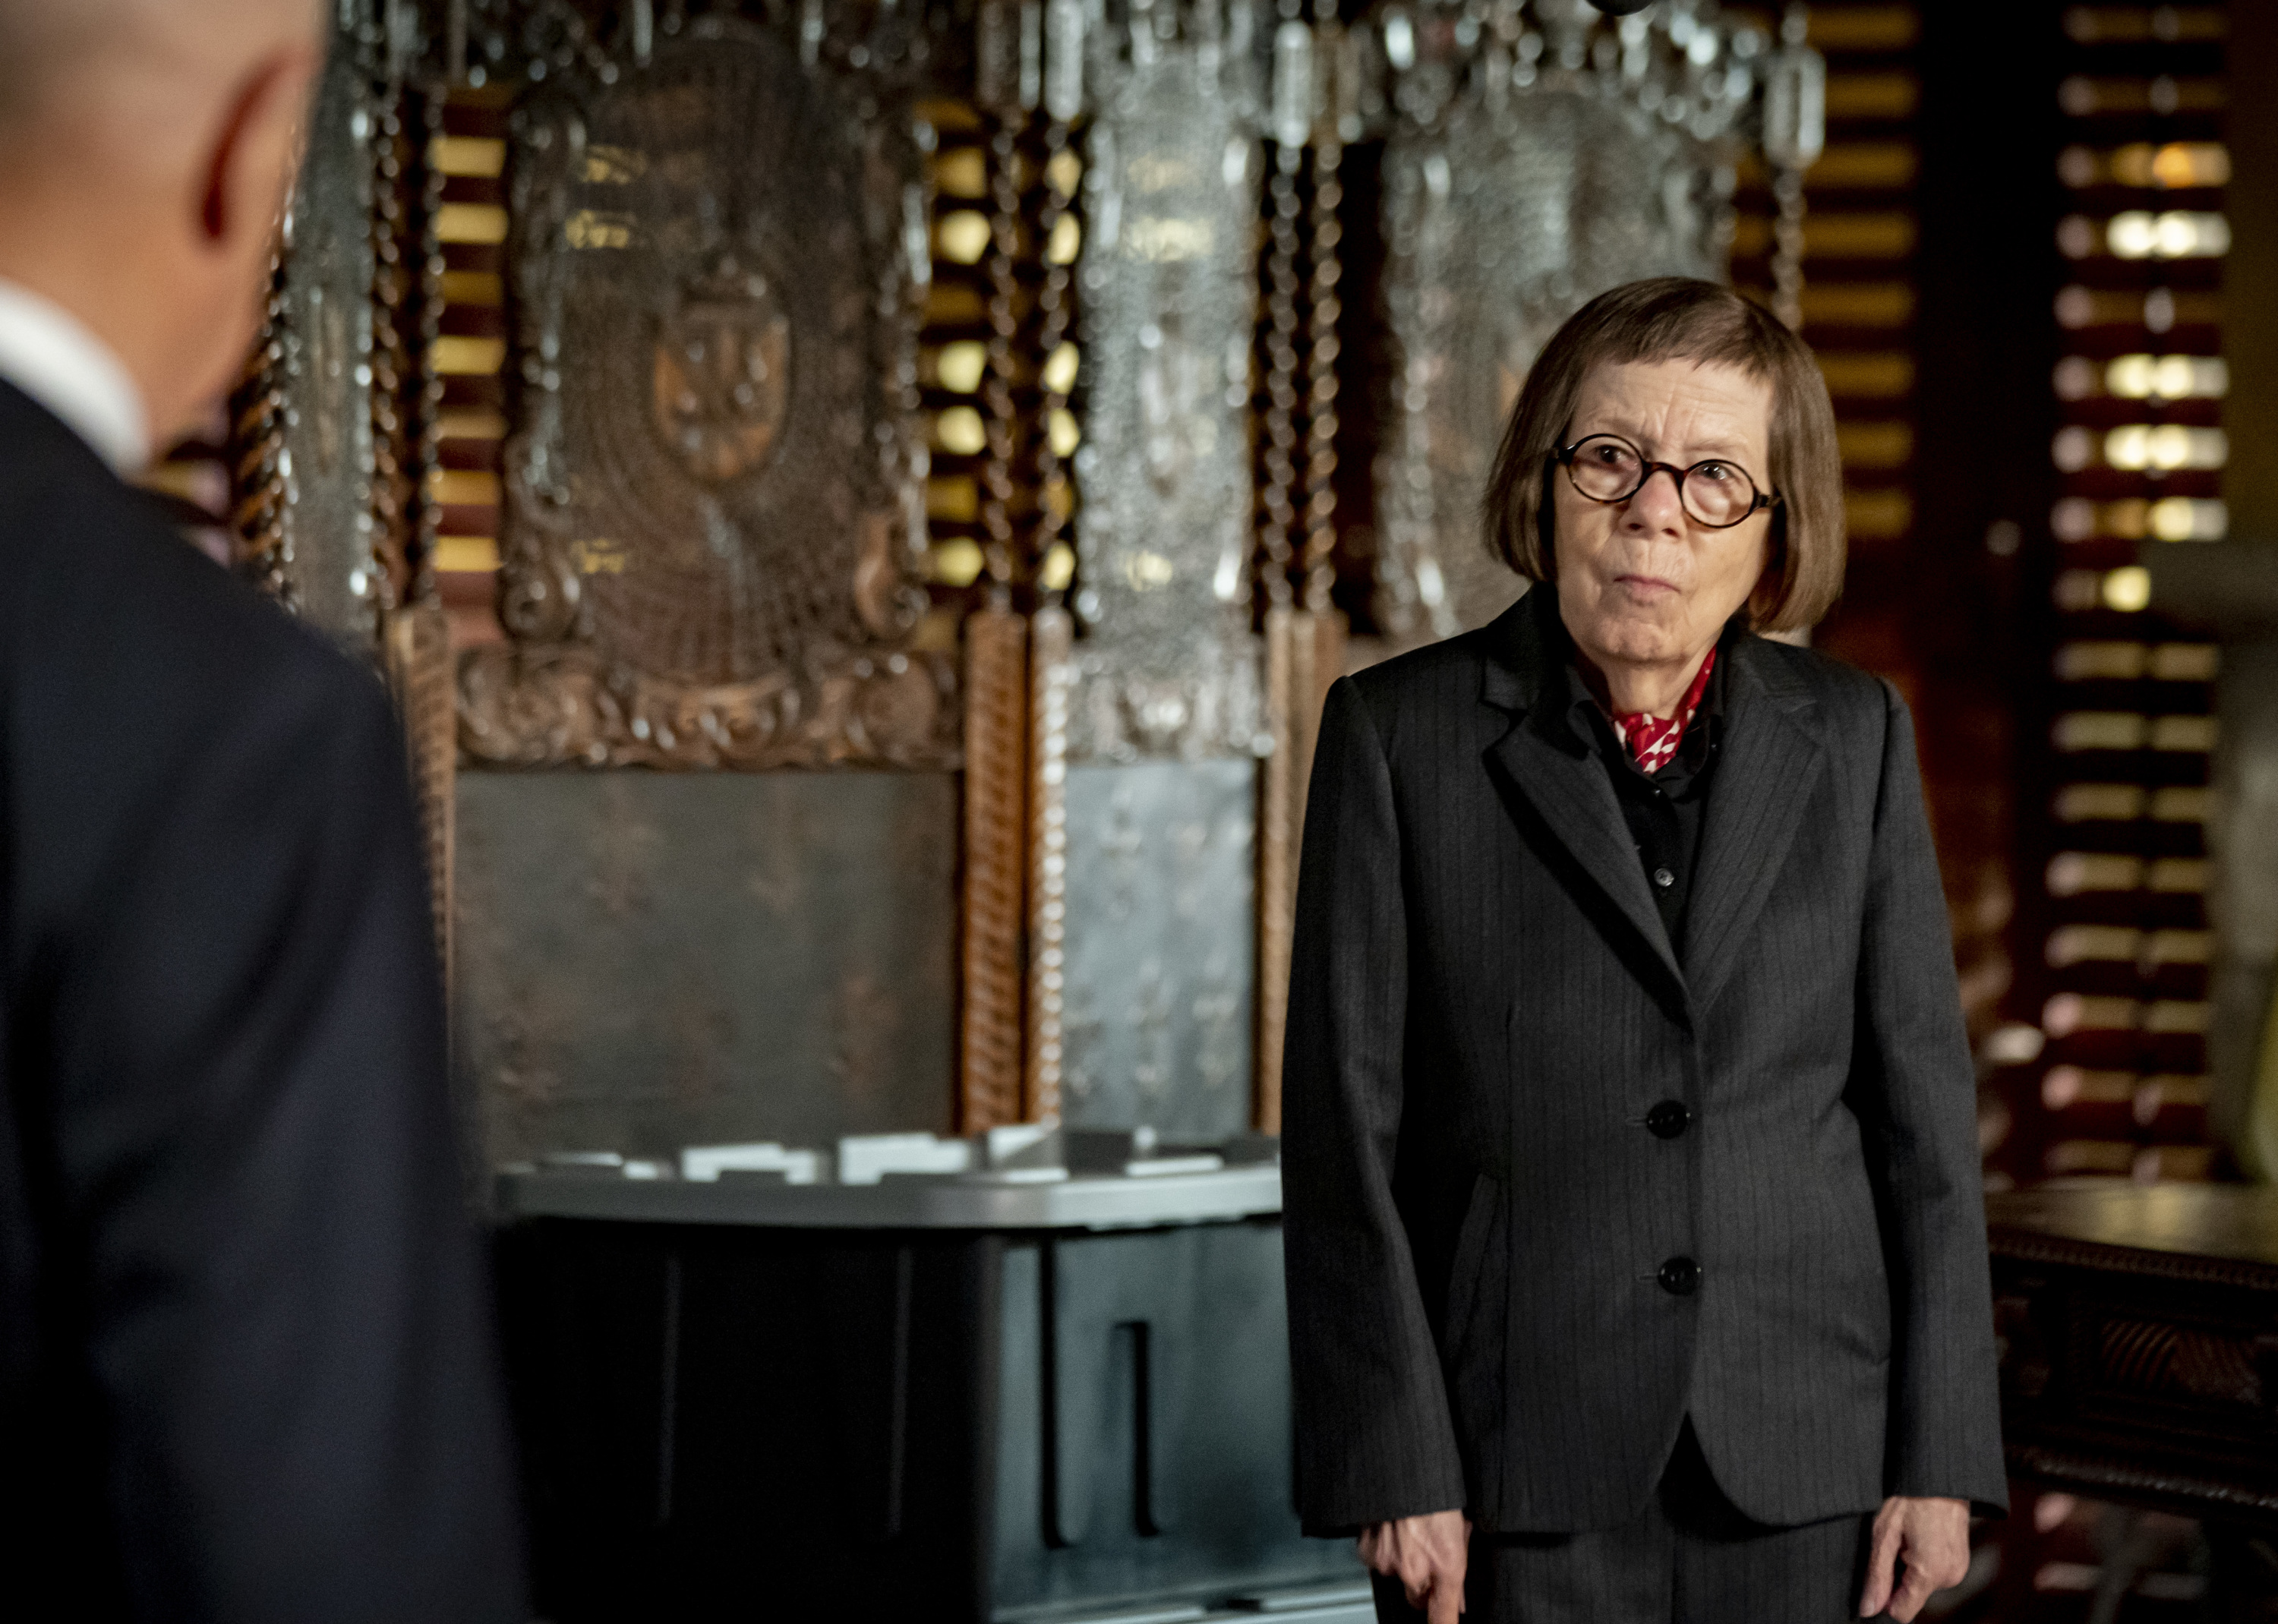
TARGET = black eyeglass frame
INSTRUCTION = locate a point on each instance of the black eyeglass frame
(1648, 467)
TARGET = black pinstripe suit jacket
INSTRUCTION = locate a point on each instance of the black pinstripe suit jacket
(1485, 1006)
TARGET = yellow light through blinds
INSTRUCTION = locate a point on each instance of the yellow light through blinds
(2128, 589)
(1877, 515)
(1865, 165)
(473, 157)
(957, 562)
(1876, 444)
(2174, 166)
(959, 429)
(1868, 376)
(959, 366)
(2082, 662)
(2125, 590)
(1858, 304)
(463, 554)
(2143, 377)
(2176, 234)
(464, 357)
(2100, 803)
(2167, 447)
(2144, 24)
(1863, 27)
(485, 223)
(2170, 518)
(962, 172)
(962, 238)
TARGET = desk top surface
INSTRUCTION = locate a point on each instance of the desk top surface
(980, 1202)
(2225, 1224)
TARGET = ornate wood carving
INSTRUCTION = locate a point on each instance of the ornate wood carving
(1305, 654)
(419, 672)
(713, 500)
(995, 830)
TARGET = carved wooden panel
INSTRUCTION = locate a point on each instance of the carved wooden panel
(650, 960)
(712, 502)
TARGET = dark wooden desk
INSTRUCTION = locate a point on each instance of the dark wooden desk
(2138, 1332)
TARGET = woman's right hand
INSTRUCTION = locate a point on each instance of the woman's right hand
(1426, 1554)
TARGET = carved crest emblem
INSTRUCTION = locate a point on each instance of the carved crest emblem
(723, 373)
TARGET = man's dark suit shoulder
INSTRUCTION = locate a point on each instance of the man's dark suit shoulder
(100, 580)
(236, 1270)
(130, 661)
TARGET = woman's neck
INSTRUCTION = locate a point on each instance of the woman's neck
(1628, 688)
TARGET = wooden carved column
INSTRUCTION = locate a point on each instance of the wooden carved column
(1305, 634)
(1305, 654)
(420, 673)
(996, 842)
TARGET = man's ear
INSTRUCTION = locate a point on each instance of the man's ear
(240, 174)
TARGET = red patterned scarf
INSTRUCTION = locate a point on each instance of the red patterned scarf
(1652, 742)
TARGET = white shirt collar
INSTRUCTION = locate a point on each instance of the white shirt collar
(49, 353)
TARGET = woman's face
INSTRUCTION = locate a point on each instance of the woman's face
(1640, 583)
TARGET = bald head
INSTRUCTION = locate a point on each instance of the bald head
(51, 49)
(146, 149)
(36, 39)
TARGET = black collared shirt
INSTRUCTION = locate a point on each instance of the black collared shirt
(1664, 808)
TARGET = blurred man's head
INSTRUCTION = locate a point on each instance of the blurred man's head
(145, 150)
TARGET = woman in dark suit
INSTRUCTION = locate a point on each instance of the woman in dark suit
(1636, 1254)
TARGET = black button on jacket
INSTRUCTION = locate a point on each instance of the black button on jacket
(1487, 1000)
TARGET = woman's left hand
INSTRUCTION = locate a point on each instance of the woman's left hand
(1932, 1537)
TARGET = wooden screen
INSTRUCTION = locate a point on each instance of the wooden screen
(2108, 1062)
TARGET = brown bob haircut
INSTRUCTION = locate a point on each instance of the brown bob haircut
(1679, 318)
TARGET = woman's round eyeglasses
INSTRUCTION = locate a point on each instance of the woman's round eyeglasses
(1717, 493)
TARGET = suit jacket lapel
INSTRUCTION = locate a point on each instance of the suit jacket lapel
(1566, 788)
(1571, 795)
(1771, 756)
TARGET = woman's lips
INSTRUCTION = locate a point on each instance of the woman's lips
(1645, 586)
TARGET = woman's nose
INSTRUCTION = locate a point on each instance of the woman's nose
(1657, 503)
